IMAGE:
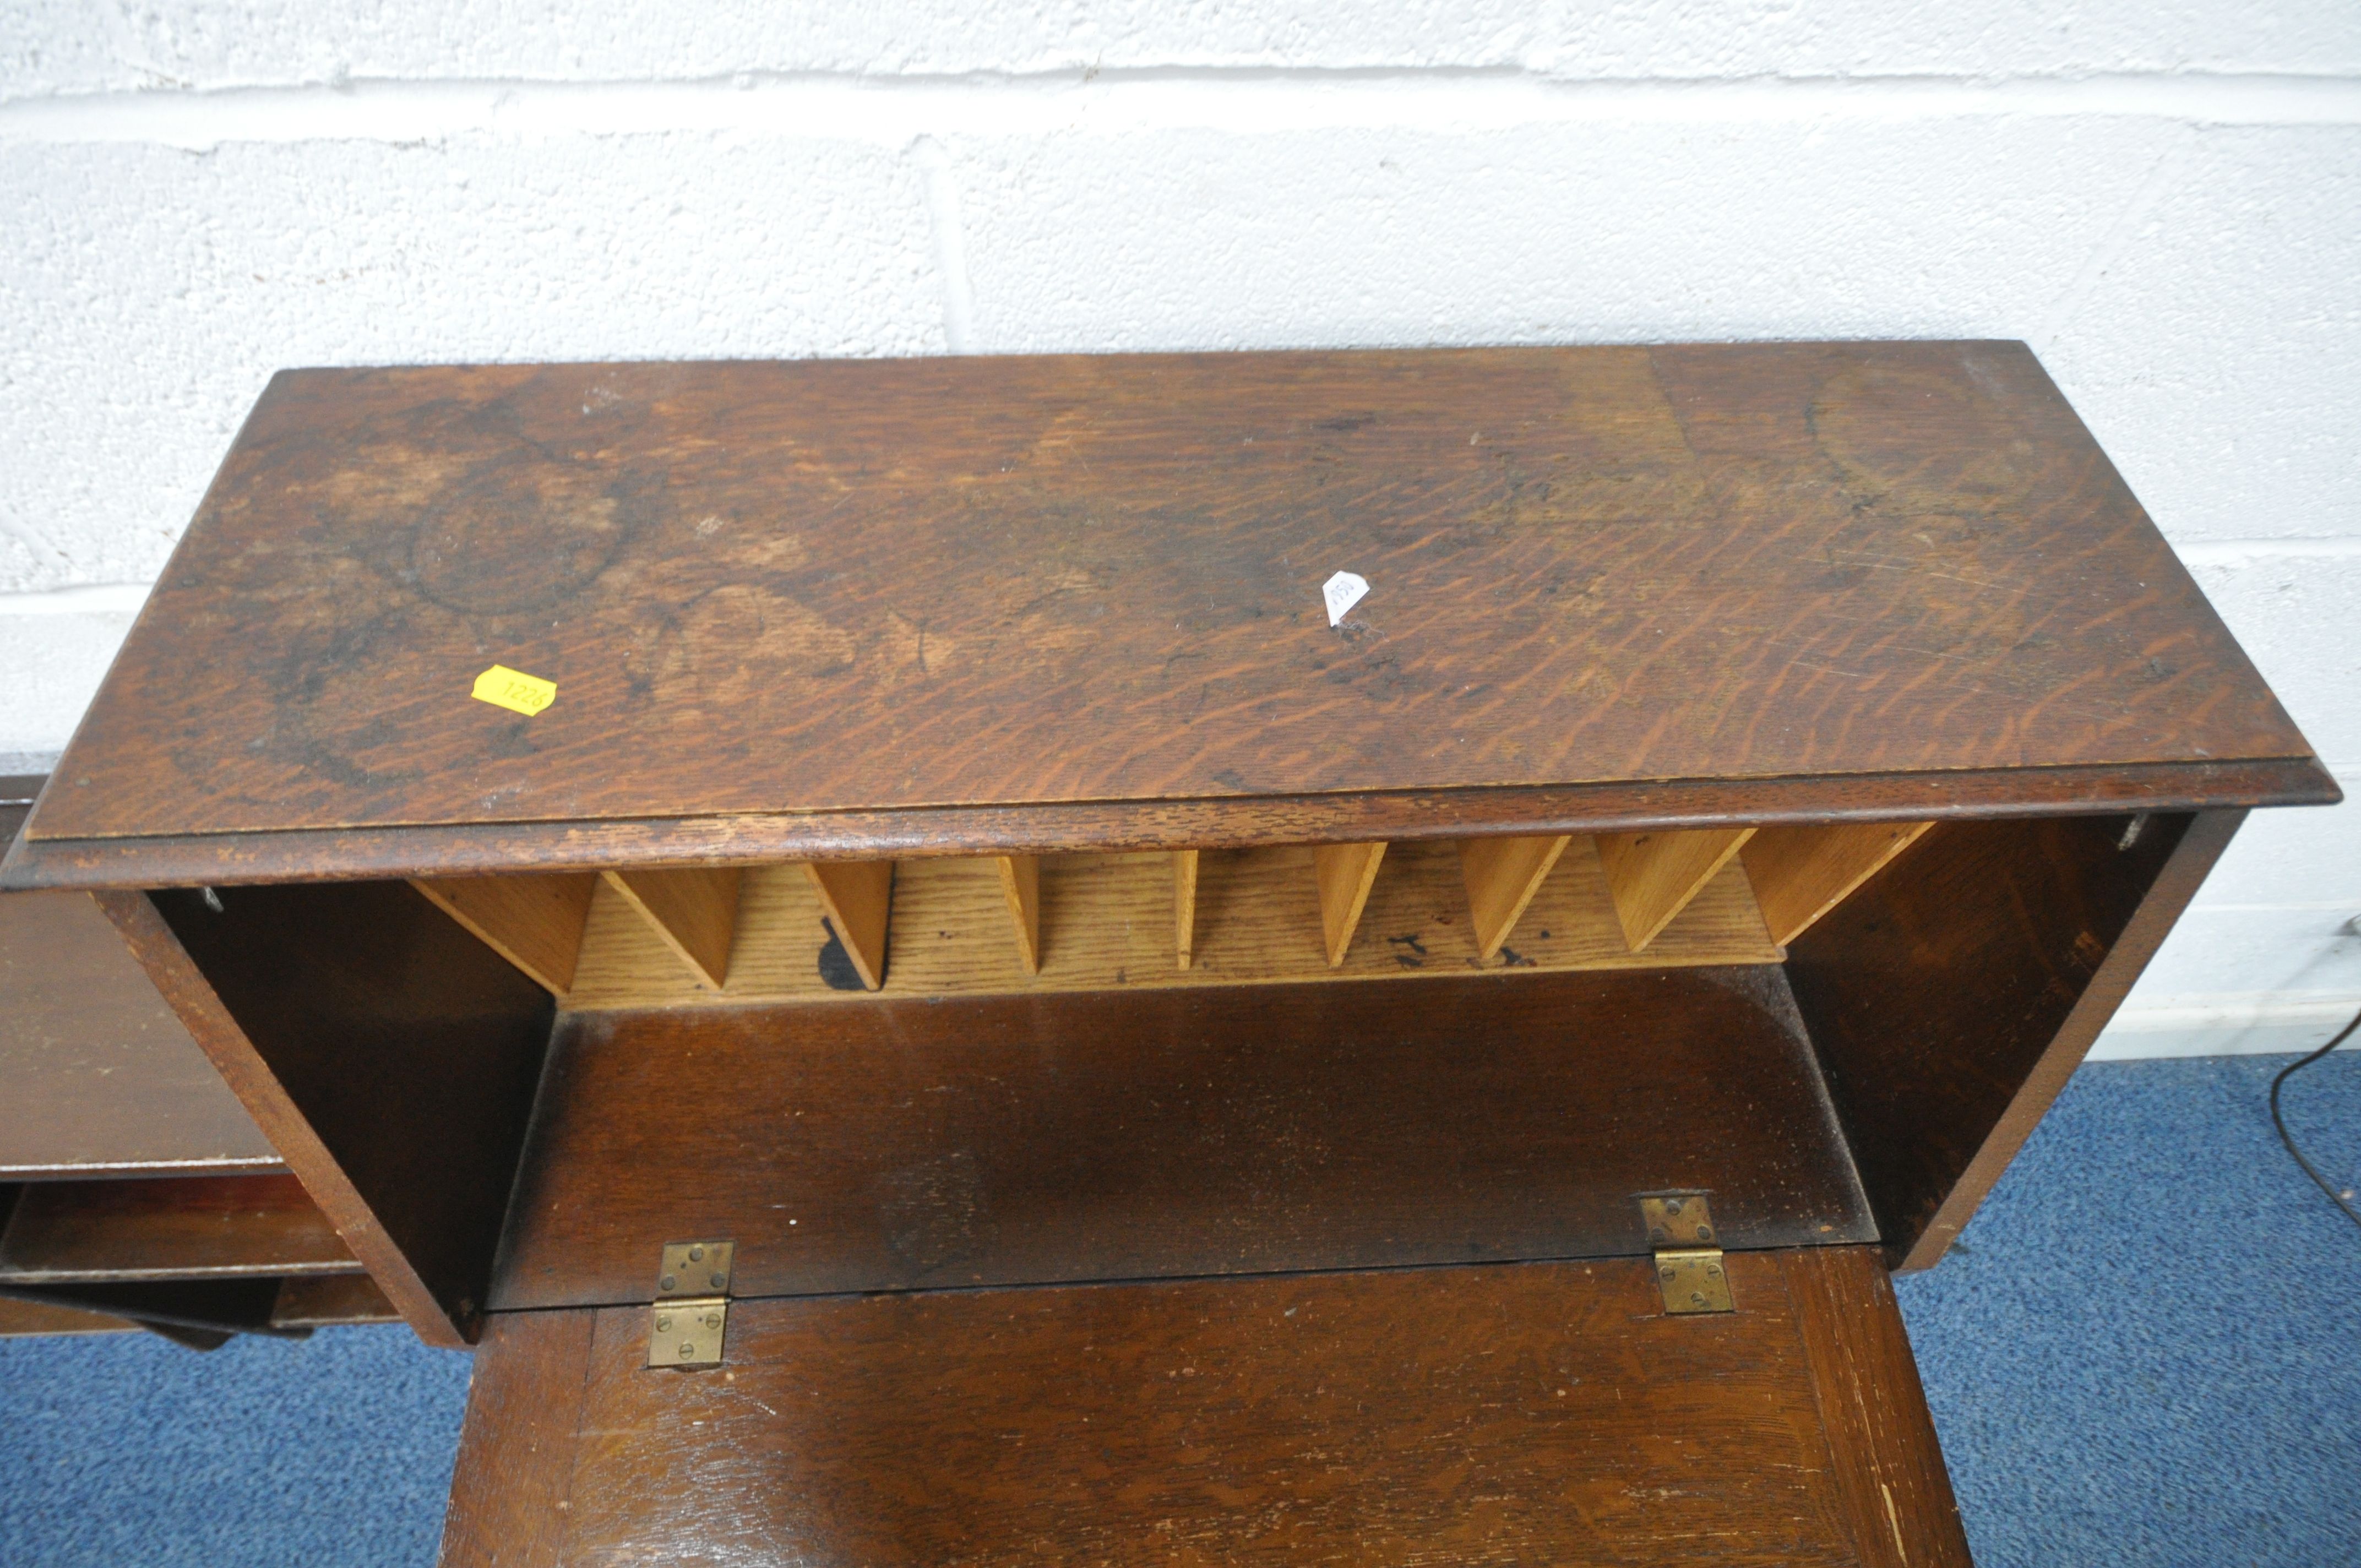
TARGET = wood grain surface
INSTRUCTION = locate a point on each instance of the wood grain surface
(857, 898)
(839, 585)
(1098, 1136)
(512, 1483)
(1185, 866)
(97, 1076)
(1889, 1467)
(1020, 883)
(2193, 850)
(1344, 873)
(1524, 1414)
(18, 1319)
(535, 920)
(168, 1228)
(203, 1314)
(1653, 876)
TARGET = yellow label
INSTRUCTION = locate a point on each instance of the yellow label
(514, 690)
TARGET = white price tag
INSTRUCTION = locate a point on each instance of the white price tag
(1343, 591)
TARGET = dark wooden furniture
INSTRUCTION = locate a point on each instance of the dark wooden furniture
(1178, 1079)
(134, 1190)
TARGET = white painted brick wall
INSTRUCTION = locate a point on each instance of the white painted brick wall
(2165, 199)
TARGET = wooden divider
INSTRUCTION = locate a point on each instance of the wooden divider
(1502, 875)
(1654, 875)
(1108, 922)
(1346, 872)
(1626, 891)
(1020, 883)
(1801, 874)
(535, 921)
(693, 910)
(1184, 904)
(859, 898)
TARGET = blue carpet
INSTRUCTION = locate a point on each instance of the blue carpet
(2142, 1351)
(2142, 1354)
(122, 1449)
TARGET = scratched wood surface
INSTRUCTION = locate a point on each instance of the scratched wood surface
(1544, 1413)
(834, 586)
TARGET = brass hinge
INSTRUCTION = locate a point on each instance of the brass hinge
(1689, 1270)
(692, 1306)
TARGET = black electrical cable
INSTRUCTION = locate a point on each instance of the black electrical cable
(2281, 1122)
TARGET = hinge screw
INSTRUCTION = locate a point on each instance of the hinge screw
(666, 1283)
(686, 1348)
(696, 1254)
(664, 1325)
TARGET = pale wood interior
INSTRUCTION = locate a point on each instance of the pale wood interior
(999, 924)
(1344, 873)
(1502, 875)
(1107, 922)
(693, 909)
(1801, 874)
(857, 897)
(1653, 876)
(1184, 904)
(1020, 884)
(535, 922)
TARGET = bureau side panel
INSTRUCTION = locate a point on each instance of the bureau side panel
(391, 1055)
(1952, 996)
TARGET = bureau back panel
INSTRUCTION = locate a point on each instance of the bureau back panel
(1097, 1135)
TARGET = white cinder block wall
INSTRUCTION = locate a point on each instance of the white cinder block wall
(2162, 196)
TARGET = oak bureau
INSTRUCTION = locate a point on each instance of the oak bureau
(860, 933)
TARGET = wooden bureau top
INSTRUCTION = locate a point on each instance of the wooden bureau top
(770, 590)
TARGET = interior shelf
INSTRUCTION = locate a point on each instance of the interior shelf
(1108, 921)
(93, 1233)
